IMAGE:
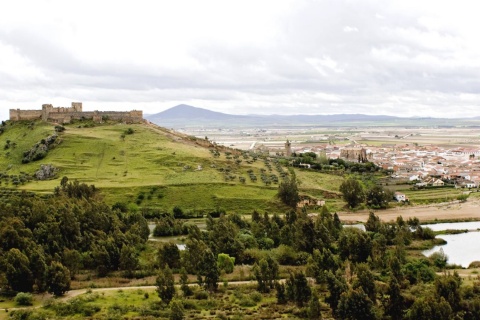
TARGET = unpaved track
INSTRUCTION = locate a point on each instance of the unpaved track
(442, 211)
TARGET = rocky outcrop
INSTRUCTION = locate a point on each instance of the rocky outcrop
(47, 171)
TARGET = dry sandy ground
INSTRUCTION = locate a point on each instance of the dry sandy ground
(443, 211)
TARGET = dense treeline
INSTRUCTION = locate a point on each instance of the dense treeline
(358, 274)
(44, 242)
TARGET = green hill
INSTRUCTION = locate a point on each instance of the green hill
(147, 166)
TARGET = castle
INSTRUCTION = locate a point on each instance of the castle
(355, 154)
(75, 112)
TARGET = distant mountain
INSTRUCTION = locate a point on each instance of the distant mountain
(185, 116)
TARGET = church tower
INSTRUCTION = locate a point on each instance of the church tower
(288, 149)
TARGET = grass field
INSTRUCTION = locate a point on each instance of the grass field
(150, 166)
(163, 168)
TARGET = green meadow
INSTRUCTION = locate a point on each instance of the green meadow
(150, 167)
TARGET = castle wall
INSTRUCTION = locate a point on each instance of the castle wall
(67, 114)
(17, 114)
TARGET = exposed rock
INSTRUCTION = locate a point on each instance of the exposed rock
(47, 171)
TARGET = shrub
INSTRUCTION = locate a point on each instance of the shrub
(24, 299)
(201, 295)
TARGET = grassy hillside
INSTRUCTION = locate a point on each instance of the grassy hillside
(150, 167)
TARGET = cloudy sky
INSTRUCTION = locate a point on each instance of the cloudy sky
(405, 58)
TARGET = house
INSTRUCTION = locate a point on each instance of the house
(399, 196)
(438, 183)
(468, 184)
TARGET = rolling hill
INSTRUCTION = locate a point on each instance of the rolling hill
(151, 167)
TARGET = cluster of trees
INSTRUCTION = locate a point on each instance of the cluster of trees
(354, 193)
(45, 241)
(322, 163)
(358, 274)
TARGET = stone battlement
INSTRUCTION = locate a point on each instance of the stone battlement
(75, 112)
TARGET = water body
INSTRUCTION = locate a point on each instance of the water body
(471, 225)
(461, 249)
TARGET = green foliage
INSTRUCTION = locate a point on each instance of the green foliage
(314, 309)
(427, 308)
(378, 197)
(24, 299)
(297, 288)
(187, 291)
(169, 254)
(288, 192)
(418, 270)
(355, 304)
(209, 270)
(265, 272)
(176, 310)
(395, 302)
(225, 263)
(58, 278)
(165, 285)
(73, 227)
(17, 271)
(128, 259)
(355, 245)
(352, 191)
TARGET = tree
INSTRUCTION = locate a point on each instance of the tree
(266, 272)
(336, 286)
(176, 310)
(165, 285)
(281, 297)
(72, 259)
(395, 302)
(288, 192)
(355, 245)
(58, 278)
(378, 198)
(298, 289)
(128, 259)
(427, 308)
(225, 263)
(365, 280)
(314, 309)
(355, 304)
(169, 254)
(352, 191)
(187, 291)
(209, 270)
(17, 271)
(448, 287)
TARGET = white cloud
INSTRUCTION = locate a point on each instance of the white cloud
(248, 56)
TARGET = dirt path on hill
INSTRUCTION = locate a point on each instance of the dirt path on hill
(442, 211)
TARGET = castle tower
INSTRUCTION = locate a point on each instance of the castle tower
(77, 106)
(46, 109)
(288, 149)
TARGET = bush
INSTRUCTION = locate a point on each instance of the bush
(24, 299)
(256, 296)
(201, 295)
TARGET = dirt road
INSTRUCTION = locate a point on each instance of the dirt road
(442, 211)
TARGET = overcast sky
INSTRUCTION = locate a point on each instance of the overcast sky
(405, 58)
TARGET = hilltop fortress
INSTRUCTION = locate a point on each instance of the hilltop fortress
(75, 112)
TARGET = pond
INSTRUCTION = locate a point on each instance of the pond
(471, 225)
(461, 249)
